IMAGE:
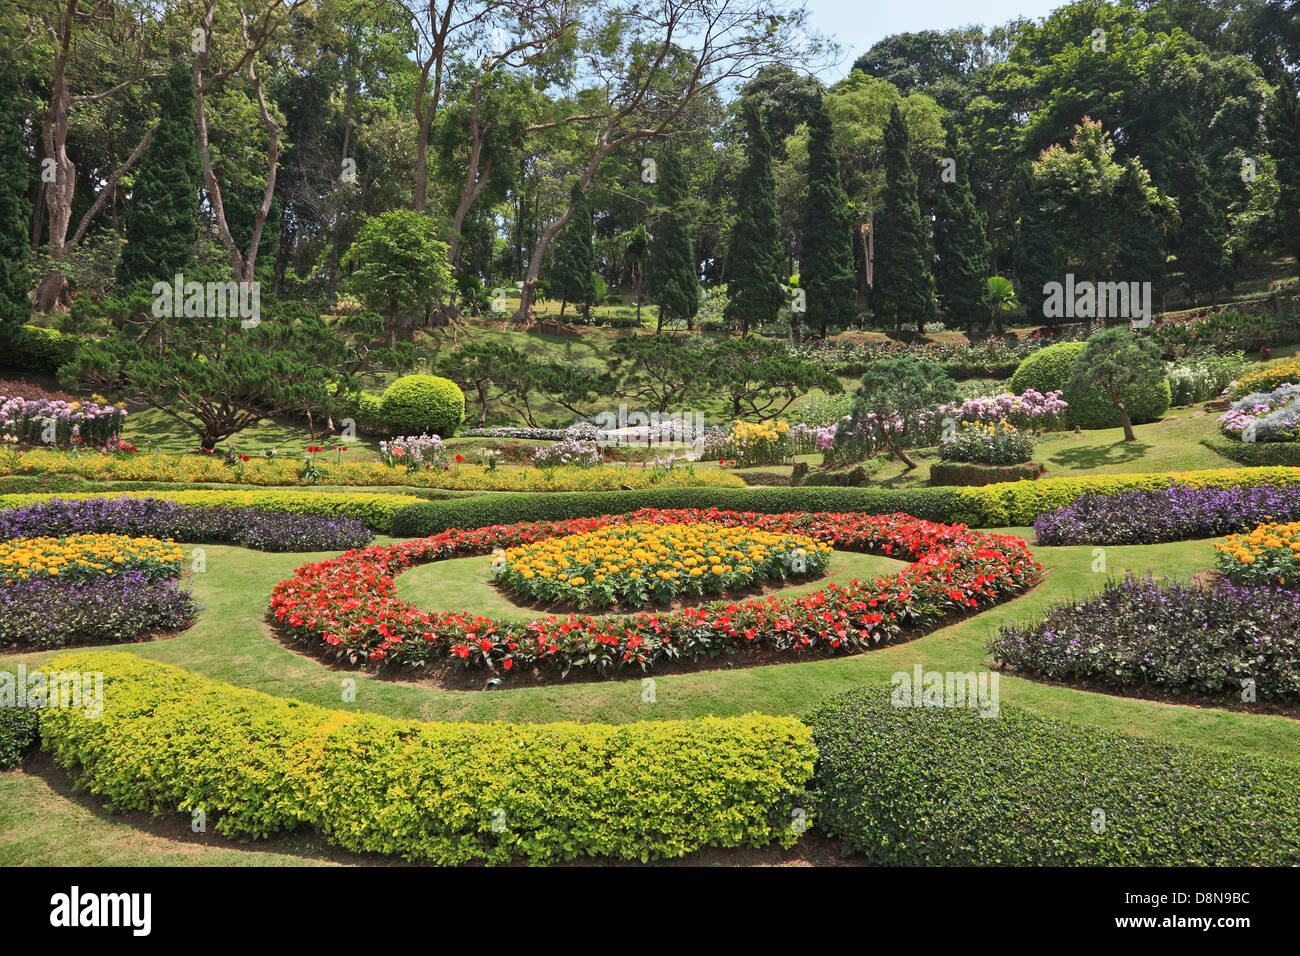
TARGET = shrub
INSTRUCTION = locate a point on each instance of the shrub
(416, 404)
(1050, 369)
(970, 474)
(1047, 370)
(169, 741)
(997, 443)
(1204, 376)
(38, 350)
(917, 785)
(19, 733)
(1170, 514)
(1256, 454)
(1172, 635)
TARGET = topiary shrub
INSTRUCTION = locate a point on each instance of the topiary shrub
(422, 404)
(1050, 369)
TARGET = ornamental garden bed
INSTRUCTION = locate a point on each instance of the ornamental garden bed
(348, 609)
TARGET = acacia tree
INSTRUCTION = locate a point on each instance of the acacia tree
(1116, 361)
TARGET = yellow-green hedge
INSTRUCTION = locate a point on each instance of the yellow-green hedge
(374, 510)
(1017, 503)
(172, 741)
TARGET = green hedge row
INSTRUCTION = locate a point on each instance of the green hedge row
(974, 474)
(37, 350)
(1257, 454)
(18, 734)
(916, 785)
(1006, 504)
(171, 741)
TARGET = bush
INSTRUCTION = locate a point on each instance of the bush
(1050, 369)
(417, 404)
(973, 474)
(18, 734)
(38, 350)
(169, 741)
(1205, 376)
(919, 786)
(57, 612)
(1256, 454)
(1047, 370)
(995, 443)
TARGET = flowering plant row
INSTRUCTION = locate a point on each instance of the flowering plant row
(1264, 416)
(349, 604)
(995, 443)
(50, 420)
(1269, 555)
(85, 556)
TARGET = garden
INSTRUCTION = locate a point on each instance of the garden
(714, 464)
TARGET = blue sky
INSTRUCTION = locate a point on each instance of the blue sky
(857, 24)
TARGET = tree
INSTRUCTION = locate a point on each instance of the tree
(400, 270)
(575, 259)
(762, 377)
(1037, 258)
(15, 213)
(754, 260)
(961, 243)
(826, 269)
(216, 376)
(478, 367)
(1115, 360)
(894, 396)
(1200, 241)
(162, 227)
(902, 278)
(1284, 134)
(657, 369)
(674, 282)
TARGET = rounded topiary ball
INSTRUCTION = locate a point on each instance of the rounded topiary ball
(422, 404)
(1050, 369)
(1047, 370)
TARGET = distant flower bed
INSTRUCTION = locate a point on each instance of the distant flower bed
(570, 451)
(256, 528)
(1267, 555)
(1272, 416)
(581, 430)
(49, 420)
(1174, 636)
(287, 470)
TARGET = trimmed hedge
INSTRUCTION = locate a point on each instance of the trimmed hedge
(18, 734)
(171, 741)
(38, 350)
(1006, 504)
(422, 404)
(917, 785)
(1049, 369)
(971, 474)
(1256, 453)
(375, 510)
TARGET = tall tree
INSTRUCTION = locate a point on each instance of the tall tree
(15, 212)
(674, 281)
(1284, 134)
(902, 277)
(755, 291)
(575, 258)
(961, 242)
(1037, 258)
(162, 226)
(1200, 240)
(826, 271)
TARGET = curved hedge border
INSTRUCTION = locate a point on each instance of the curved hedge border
(1006, 504)
(1257, 453)
(171, 741)
(349, 604)
(373, 509)
(919, 786)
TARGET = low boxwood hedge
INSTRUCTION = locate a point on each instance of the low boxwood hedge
(374, 510)
(917, 785)
(1256, 453)
(18, 734)
(972, 474)
(171, 741)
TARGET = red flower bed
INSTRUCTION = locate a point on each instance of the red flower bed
(349, 603)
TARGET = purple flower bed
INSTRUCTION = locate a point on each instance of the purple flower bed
(1174, 514)
(159, 518)
(49, 612)
(1173, 636)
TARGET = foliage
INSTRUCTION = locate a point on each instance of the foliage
(674, 280)
(572, 275)
(398, 267)
(1127, 370)
(902, 288)
(994, 443)
(827, 266)
(961, 243)
(896, 393)
(15, 217)
(754, 259)
(416, 404)
(19, 733)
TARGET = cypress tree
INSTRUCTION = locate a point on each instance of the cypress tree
(1201, 237)
(962, 244)
(902, 277)
(674, 282)
(754, 260)
(1284, 135)
(1139, 234)
(575, 256)
(15, 211)
(162, 226)
(1037, 258)
(826, 271)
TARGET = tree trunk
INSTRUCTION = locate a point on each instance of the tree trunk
(1125, 421)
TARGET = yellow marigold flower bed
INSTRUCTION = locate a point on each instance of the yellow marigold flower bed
(1267, 378)
(649, 563)
(84, 556)
(1270, 554)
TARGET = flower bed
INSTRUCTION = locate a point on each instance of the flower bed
(81, 557)
(159, 518)
(348, 606)
(46, 420)
(1172, 514)
(1267, 378)
(1264, 417)
(995, 443)
(288, 471)
(1167, 635)
(643, 563)
(1268, 555)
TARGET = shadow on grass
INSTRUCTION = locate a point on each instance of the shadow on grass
(1096, 456)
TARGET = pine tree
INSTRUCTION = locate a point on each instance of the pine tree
(1284, 135)
(1139, 234)
(755, 258)
(162, 227)
(962, 244)
(1037, 258)
(15, 211)
(902, 277)
(826, 269)
(575, 256)
(674, 282)
(1201, 237)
